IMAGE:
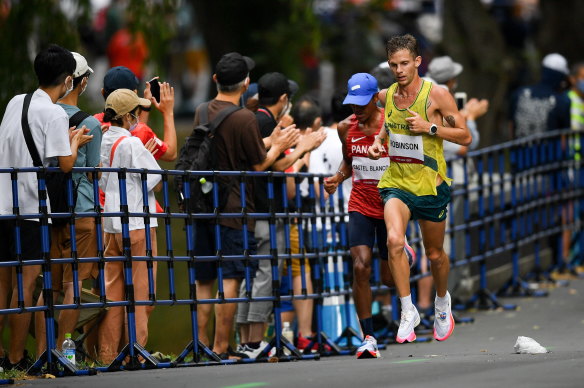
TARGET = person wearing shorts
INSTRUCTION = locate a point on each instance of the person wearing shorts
(366, 224)
(418, 117)
(85, 229)
(49, 129)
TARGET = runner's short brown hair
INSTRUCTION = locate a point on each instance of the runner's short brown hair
(402, 42)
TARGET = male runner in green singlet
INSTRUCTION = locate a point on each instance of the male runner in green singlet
(415, 186)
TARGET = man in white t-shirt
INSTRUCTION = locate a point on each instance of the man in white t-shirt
(49, 127)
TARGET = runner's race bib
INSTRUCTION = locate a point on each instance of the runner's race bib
(368, 171)
(406, 148)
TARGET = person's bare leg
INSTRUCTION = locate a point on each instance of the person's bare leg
(288, 316)
(204, 291)
(224, 315)
(5, 289)
(303, 307)
(361, 256)
(256, 332)
(396, 215)
(244, 333)
(425, 286)
(19, 323)
(386, 277)
(68, 318)
(433, 237)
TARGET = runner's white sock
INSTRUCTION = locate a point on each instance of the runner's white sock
(441, 302)
(406, 302)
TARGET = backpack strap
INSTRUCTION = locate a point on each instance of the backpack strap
(113, 150)
(77, 118)
(34, 153)
(222, 115)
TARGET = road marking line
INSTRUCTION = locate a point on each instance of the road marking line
(247, 385)
(410, 361)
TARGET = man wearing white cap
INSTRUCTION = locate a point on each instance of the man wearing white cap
(543, 106)
(85, 232)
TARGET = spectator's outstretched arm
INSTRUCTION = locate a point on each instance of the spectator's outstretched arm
(281, 141)
(166, 107)
(345, 169)
(473, 110)
(308, 141)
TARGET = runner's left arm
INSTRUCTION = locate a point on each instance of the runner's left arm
(455, 131)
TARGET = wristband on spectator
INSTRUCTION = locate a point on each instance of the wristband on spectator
(146, 109)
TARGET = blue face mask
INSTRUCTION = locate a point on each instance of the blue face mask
(580, 85)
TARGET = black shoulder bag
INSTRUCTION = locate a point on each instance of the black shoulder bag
(56, 182)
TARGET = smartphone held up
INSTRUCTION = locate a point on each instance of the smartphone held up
(460, 98)
(155, 88)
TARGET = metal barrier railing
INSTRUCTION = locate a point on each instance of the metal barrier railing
(507, 200)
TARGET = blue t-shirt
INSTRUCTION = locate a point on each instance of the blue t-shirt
(87, 156)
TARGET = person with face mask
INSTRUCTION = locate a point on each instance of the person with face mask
(54, 140)
(120, 149)
(85, 230)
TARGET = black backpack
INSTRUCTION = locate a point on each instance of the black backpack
(198, 154)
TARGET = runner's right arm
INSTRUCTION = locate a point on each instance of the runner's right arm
(377, 146)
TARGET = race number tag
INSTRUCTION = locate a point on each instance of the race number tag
(368, 171)
(406, 148)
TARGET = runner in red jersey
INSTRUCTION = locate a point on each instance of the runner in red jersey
(366, 224)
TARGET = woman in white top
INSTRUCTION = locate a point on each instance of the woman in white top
(120, 149)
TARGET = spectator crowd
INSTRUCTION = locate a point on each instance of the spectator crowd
(274, 129)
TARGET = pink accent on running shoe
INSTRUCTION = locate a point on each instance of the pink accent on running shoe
(409, 338)
(449, 331)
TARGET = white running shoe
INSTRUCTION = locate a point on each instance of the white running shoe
(408, 322)
(254, 353)
(368, 348)
(443, 321)
(410, 254)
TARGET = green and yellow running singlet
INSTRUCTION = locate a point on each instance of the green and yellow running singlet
(415, 160)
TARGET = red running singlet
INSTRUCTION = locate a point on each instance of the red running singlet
(367, 172)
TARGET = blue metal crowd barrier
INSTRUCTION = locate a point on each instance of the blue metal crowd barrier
(511, 197)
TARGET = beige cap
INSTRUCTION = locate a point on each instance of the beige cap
(123, 101)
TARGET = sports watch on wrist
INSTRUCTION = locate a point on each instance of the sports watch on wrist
(433, 129)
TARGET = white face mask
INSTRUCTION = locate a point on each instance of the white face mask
(69, 89)
(133, 126)
(84, 87)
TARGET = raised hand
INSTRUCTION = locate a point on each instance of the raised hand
(166, 104)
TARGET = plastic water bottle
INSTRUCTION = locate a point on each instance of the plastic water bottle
(289, 335)
(205, 186)
(69, 348)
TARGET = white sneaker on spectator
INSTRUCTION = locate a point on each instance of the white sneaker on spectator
(254, 353)
(408, 322)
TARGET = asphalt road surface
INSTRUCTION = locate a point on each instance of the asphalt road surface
(480, 354)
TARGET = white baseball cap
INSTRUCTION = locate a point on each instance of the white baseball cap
(556, 62)
(81, 65)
